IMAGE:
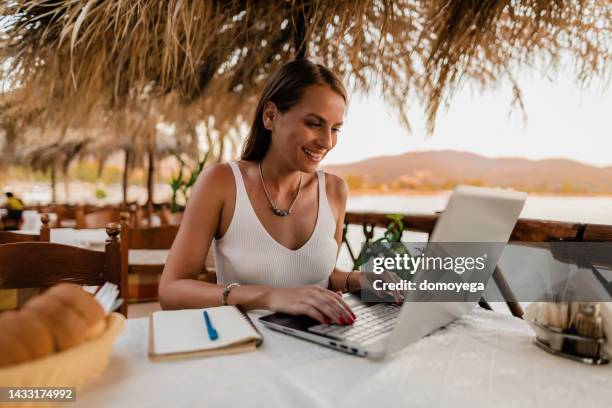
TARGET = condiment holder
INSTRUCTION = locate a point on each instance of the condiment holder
(570, 330)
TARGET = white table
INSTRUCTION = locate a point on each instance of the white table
(31, 220)
(148, 256)
(483, 360)
(95, 239)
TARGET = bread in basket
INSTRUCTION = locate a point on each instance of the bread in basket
(61, 338)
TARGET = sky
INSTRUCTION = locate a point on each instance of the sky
(563, 120)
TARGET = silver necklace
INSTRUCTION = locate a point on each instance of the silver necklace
(279, 211)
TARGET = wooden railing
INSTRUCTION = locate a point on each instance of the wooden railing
(75, 215)
(525, 231)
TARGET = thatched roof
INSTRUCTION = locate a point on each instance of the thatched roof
(211, 58)
(43, 148)
(50, 152)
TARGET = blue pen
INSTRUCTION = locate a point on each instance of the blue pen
(212, 333)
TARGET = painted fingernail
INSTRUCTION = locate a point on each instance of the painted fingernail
(327, 320)
(342, 321)
(353, 314)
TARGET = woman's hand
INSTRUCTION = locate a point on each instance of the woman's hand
(364, 281)
(367, 280)
(320, 304)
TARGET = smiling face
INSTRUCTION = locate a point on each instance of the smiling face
(304, 134)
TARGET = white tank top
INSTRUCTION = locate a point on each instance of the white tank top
(247, 253)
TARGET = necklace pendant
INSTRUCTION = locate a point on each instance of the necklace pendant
(279, 212)
(275, 209)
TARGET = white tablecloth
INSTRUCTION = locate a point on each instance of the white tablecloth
(95, 239)
(483, 360)
(31, 220)
(85, 238)
(148, 256)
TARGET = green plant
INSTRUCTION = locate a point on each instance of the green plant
(179, 184)
(100, 193)
(193, 176)
(176, 181)
(389, 245)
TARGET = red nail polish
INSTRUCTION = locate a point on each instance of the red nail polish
(353, 314)
(342, 321)
(327, 320)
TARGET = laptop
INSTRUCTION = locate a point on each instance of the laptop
(472, 214)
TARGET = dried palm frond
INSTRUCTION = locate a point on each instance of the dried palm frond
(481, 42)
(207, 60)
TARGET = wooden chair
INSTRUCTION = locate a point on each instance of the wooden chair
(149, 211)
(43, 264)
(140, 215)
(7, 237)
(67, 214)
(96, 219)
(161, 237)
(164, 215)
(144, 215)
(62, 216)
(17, 297)
(150, 237)
(169, 218)
(144, 277)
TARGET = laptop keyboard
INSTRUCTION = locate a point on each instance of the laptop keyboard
(371, 321)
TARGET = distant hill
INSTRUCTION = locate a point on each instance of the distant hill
(434, 170)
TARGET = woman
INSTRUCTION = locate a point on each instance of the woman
(275, 220)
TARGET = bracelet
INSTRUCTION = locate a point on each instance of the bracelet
(346, 285)
(226, 292)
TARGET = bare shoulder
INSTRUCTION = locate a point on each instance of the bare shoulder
(214, 184)
(218, 170)
(337, 191)
(335, 185)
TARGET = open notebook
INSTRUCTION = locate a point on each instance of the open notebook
(177, 334)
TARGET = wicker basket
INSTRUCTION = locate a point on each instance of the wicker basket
(68, 368)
